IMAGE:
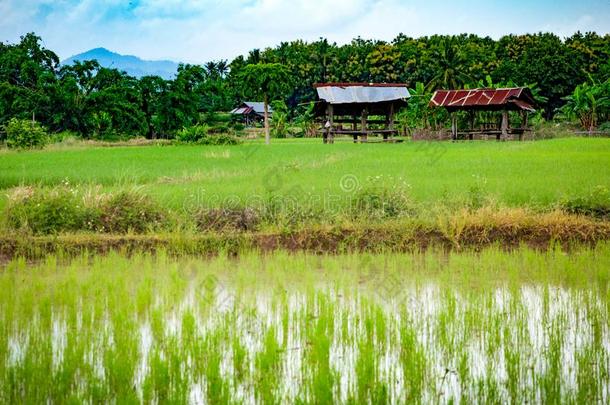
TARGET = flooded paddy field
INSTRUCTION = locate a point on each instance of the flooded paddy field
(434, 327)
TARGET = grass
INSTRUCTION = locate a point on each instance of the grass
(513, 173)
(488, 326)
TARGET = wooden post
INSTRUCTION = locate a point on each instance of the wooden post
(504, 125)
(471, 119)
(524, 124)
(328, 125)
(363, 117)
(454, 126)
(355, 127)
(391, 121)
(331, 118)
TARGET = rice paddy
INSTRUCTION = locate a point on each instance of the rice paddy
(432, 327)
(515, 174)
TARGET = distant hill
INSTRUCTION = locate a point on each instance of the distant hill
(133, 65)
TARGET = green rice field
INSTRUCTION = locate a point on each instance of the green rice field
(535, 173)
(435, 327)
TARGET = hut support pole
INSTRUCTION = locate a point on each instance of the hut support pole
(454, 126)
(524, 124)
(328, 130)
(355, 127)
(504, 125)
(391, 121)
(363, 118)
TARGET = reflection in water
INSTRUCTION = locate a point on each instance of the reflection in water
(532, 343)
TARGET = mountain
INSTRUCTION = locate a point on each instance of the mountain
(133, 65)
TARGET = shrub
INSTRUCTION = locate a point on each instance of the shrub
(380, 202)
(220, 139)
(56, 211)
(192, 134)
(204, 135)
(596, 204)
(62, 210)
(227, 219)
(25, 134)
(130, 211)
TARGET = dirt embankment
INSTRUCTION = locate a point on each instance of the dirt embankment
(466, 232)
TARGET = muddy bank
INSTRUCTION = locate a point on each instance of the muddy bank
(536, 232)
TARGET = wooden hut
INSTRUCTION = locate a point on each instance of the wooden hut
(251, 112)
(359, 109)
(517, 99)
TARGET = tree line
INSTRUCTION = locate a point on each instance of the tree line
(95, 101)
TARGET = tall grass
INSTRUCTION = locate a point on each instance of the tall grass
(488, 326)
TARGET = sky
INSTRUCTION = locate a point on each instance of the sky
(197, 31)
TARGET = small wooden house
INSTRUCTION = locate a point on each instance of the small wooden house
(251, 112)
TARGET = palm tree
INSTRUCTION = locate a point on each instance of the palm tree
(451, 67)
(222, 67)
(211, 69)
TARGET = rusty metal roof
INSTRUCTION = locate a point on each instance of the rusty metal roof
(350, 93)
(514, 98)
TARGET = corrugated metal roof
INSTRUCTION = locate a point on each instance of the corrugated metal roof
(257, 106)
(242, 110)
(251, 106)
(519, 96)
(345, 93)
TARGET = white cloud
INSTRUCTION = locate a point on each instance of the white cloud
(200, 30)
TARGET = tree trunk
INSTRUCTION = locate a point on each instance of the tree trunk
(267, 134)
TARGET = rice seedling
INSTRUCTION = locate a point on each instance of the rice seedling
(486, 326)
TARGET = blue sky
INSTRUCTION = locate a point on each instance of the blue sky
(201, 30)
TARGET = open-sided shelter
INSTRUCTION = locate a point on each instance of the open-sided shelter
(519, 99)
(359, 106)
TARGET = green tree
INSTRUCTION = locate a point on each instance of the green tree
(266, 80)
(588, 103)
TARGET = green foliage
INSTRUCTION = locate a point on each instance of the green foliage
(269, 81)
(25, 134)
(381, 201)
(130, 211)
(279, 124)
(204, 135)
(192, 134)
(103, 103)
(62, 209)
(596, 204)
(589, 104)
(305, 121)
(41, 213)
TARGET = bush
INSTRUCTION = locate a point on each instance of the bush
(227, 219)
(130, 211)
(596, 204)
(192, 134)
(220, 139)
(204, 135)
(25, 134)
(62, 210)
(380, 202)
(56, 211)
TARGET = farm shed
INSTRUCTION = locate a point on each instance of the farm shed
(366, 109)
(250, 112)
(517, 99)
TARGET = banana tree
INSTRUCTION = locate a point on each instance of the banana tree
(587, 104)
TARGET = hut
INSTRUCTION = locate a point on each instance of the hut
(517, 99)
(366, 109)
(251, 112)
